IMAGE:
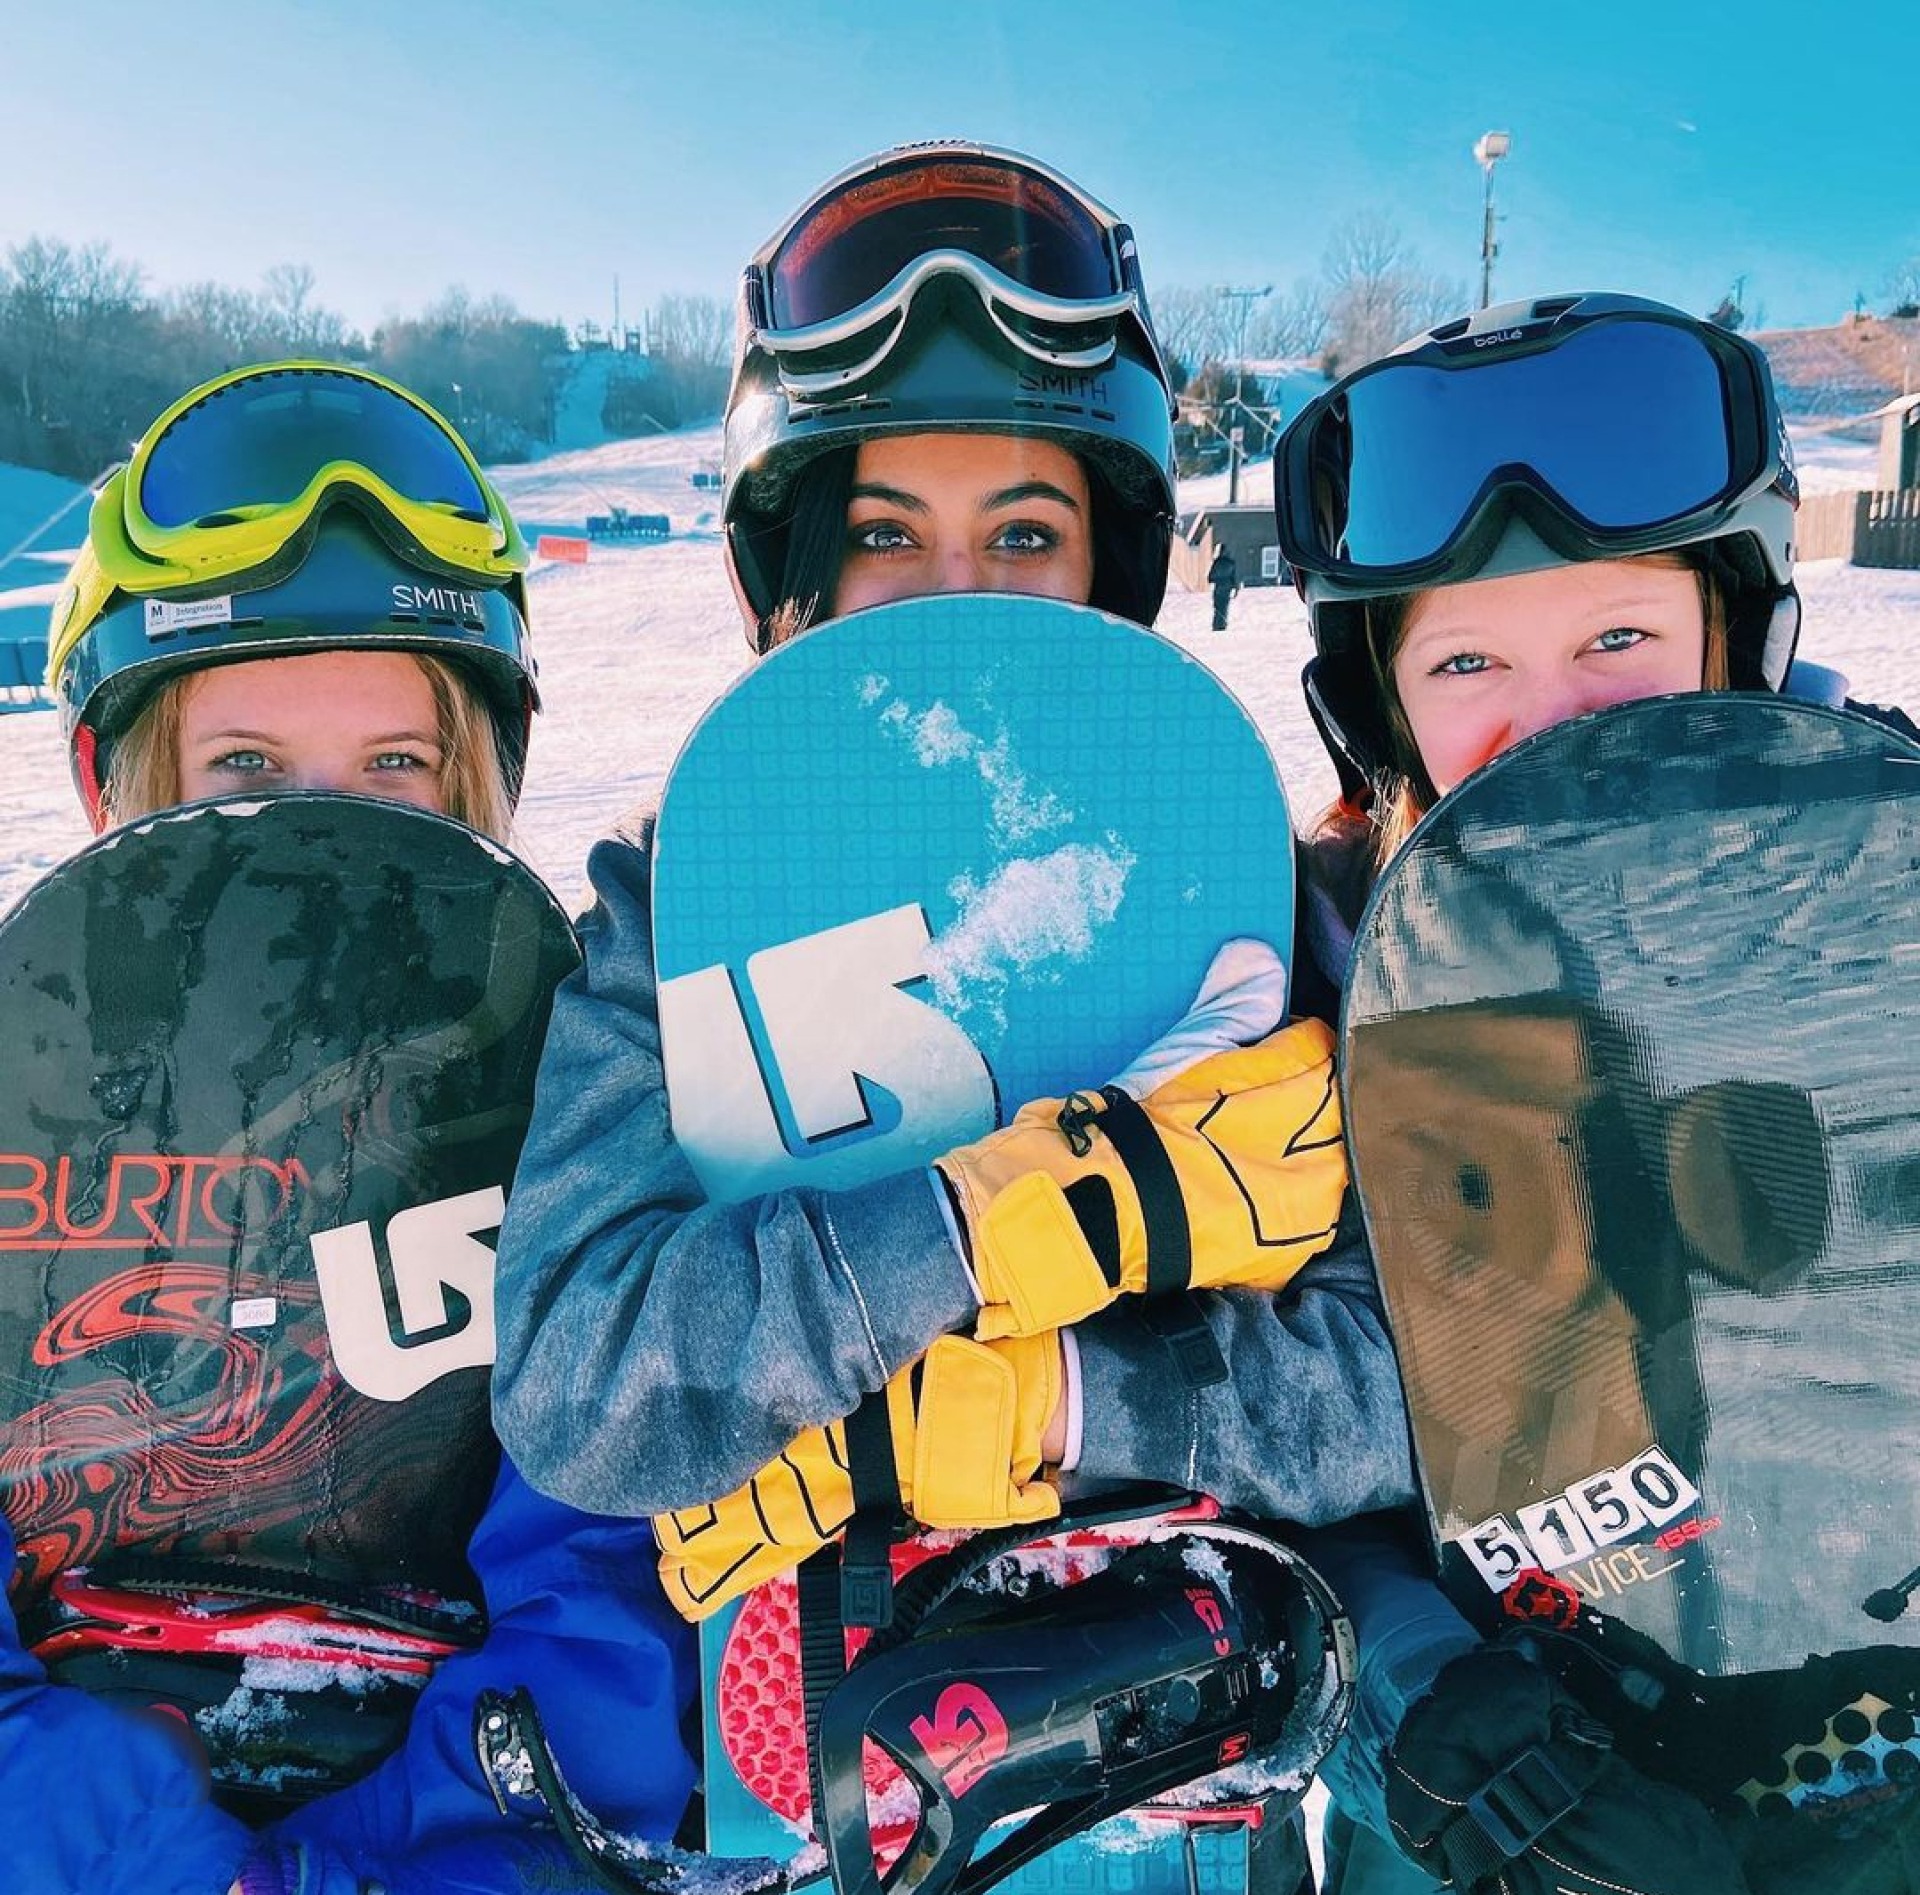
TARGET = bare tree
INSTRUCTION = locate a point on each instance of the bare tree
(297, 324)
(1292, 326)
(689, 360)
(77, 355)
(694, 330)
(1378, 293)
(493, 370)
(1192, 329)
(226, 321)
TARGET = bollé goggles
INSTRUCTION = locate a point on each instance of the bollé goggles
(226, 482)
(830, 294)
(1621, 434)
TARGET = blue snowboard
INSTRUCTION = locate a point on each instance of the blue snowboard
(931, 862)
(922, 866)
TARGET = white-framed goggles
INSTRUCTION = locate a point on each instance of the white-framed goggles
(830, 294)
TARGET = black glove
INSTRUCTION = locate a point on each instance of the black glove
(1499, 1781)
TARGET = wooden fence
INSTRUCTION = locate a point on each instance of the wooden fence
(1879, 528)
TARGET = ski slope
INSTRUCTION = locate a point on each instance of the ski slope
(634, 644)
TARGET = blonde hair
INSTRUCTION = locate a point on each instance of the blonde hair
(1402, 794)
(143, 772)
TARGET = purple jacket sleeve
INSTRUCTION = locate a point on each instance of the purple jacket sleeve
(577, 1616)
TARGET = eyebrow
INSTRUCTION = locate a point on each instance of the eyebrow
(1625, 597)
(1031, 490)
(993, 502)
(890, 496)
(240, 734)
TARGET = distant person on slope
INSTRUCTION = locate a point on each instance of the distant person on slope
(245, 618)
(1224, 577)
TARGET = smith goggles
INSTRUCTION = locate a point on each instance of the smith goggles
(830, 295)
(226, 482)
(1623, 433)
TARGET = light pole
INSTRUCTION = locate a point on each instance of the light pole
(1488, 151)
(1236, 433)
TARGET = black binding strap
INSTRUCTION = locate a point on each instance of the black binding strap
(1511, 1812)
(866, 1568)
(823, 1656)
(850, 1583)
(1163, 1211)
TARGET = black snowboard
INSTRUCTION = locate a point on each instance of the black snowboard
(268, 1068)
(1632, 1072)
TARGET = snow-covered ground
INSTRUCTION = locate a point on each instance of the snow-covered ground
(634, 644)
(1830, 460)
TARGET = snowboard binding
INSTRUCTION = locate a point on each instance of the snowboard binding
(345, 1667)
(1205, 1659)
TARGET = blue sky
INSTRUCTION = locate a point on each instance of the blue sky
(399, 146)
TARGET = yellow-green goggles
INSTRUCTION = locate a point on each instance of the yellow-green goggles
(222, 485)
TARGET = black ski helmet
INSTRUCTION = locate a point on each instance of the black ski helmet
(1517, 520)
(950, 366)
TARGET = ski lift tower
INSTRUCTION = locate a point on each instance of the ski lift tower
(1242, 301)
(1488, 150)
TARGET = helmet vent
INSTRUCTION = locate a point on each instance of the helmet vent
(1550, 306)
(1447, 331)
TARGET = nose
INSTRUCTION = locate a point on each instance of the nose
(331, 779)
(961, 571)
(1552, 701)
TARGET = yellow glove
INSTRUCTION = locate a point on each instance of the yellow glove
(967, 1422)
(1230, 1173)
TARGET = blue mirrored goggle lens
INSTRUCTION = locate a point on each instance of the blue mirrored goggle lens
(1625, 423)
(851, 245)
(260, 441)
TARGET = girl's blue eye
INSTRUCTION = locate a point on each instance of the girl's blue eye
(242, 762)
(1463, 664)
(1620, 638)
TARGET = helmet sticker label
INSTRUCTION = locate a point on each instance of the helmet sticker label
(167, 616)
